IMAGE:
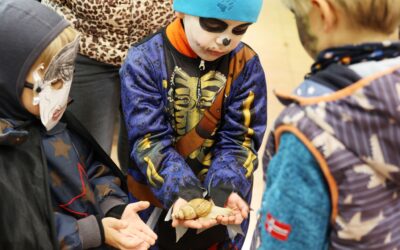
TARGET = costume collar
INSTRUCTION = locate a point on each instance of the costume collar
(352, 54)
(177, 37)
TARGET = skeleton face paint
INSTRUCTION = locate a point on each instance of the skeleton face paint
(53, 89)
(212, 38)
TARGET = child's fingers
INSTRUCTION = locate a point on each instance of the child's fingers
(238, 219)
(244, 210)
(138, 206)
(129, 242)
(145, 237)
(141, 226)
(232, 219)
(187, 223)
(145, 229)
(143, 246)
(207, 222)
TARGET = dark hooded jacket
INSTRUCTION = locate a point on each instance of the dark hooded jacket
(32, 212)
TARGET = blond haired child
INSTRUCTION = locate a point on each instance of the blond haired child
(332, 165)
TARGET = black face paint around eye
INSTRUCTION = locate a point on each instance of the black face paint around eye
(213, 25)
(241, 29)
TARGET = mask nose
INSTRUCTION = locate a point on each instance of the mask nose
(224, 41)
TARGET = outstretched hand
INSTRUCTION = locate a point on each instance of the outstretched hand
(130, 232)
(240, 210)
(115, 238)
(135, 224)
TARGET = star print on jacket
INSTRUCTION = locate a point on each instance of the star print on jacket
(60, 148)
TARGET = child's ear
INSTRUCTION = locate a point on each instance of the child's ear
(327, 12)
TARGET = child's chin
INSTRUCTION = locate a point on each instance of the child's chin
(210, 58)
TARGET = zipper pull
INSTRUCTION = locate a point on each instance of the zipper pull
(202, 65)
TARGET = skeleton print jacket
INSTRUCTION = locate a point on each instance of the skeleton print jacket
(164, 95)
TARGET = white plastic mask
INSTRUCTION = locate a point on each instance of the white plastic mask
(53, 89)
(212, 38)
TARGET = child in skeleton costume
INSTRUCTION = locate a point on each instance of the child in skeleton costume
(59, 189)
(332, 160)
(194, 98)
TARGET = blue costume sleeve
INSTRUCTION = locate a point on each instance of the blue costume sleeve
(77, 234)
(67, 231)
(239, 135)
(150, 133)
(105, 185)
(295, 209)
(102, 189)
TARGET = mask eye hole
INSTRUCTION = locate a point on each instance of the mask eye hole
(61, 75)
(213, 25)
(57, 84)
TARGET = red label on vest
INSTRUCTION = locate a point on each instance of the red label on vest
(277, 229)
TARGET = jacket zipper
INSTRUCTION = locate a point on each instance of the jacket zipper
(202, 67)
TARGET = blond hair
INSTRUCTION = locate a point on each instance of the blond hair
(67, 36)
(378, 15)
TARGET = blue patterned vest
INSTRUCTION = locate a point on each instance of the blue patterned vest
(354, 134)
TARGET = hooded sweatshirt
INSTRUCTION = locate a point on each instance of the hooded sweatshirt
(25, 212)
(27, 29)
(56, 185)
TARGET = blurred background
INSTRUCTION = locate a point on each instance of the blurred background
(274, 37)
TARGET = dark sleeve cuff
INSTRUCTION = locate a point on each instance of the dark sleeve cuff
(90, 233)
(190, 192)
(110, 202)
(220, 193)
(117, 211)
(101, 228)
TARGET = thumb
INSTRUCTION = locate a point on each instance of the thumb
(175, 222)
(138, 206)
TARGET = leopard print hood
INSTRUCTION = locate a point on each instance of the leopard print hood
(109, 28)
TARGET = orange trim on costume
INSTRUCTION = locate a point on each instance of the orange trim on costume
(321, 161)
(177, 36)
(236, 65)
(338, 94)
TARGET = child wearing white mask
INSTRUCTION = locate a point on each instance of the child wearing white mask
(59, 189)
(194, 98)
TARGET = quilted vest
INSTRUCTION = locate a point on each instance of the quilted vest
(354, 134)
